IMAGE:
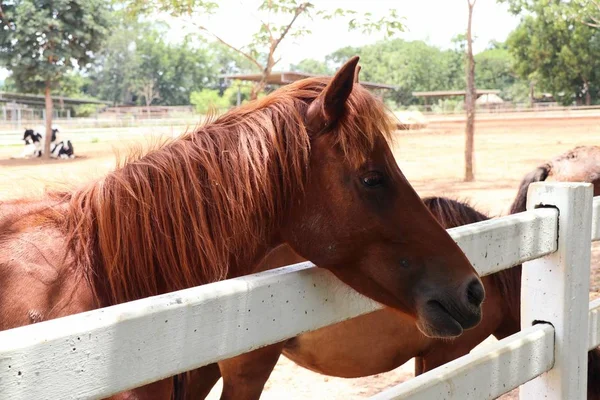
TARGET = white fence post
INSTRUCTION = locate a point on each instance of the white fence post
(555, 290)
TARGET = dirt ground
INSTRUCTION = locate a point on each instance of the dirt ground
(432, 160)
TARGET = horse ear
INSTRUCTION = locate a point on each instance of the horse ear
(330, 105)
(356, 74)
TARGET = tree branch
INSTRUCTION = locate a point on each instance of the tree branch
(299, 10)
(594, 24)
(275, 42)
(239, 51)
(256, 17)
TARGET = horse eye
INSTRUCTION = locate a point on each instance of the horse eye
(372, 179)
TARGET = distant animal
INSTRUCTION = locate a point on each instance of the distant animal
(62, 149)
(34, 144)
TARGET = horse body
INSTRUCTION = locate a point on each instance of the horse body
(372, 343)
(204, 207)
(32, 262)
(383, 340)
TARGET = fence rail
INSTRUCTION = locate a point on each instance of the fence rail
(485, 373)
(102, 352)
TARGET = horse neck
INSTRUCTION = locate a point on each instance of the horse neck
(200, 209)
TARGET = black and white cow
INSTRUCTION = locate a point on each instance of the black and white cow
(60, 148)
(34, 144)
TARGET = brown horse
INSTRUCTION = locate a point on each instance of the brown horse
(372, 343)
(580, 164)
(354, 348)
(308, 165)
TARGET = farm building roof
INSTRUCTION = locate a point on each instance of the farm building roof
(453, 93)
(489, 98)
(39, 100)
(284, 78)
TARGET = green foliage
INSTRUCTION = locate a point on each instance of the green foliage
(115, 64)
(312, 66)
(412, 66)
(262, 46)
(493, 70)
(74, 84)
(137, 62)
(558, 52)
(207, 100)
(42, 40)
(9, 84)
(336, 59)
(86, 110)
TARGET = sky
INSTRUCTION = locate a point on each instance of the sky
(434, 21)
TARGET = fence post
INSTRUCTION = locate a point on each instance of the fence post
(555, 290)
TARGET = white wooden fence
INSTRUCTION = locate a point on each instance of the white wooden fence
(102, 352)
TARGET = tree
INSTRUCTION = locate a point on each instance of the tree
(494, 68)
(262, 49)
(312, 66)
(561, 53)
(409, 65)
(588, 12)
(470, 97)
(114, 67)
(43, 40)
(137, 65)
(557, 45)
(208, 99)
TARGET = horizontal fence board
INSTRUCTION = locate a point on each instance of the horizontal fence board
(497, 244)
(105, 351)
(594, 325)
(102, 352)
(486, 373)
(595, 219)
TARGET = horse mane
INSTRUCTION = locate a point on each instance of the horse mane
(537, 175)
(453, 213)
(182, 213)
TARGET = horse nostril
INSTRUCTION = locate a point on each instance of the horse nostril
(475, 293)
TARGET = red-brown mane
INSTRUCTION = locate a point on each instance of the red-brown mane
(182, 214)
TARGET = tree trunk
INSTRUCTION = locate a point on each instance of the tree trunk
(48, 136)
(258, 87)
(470, 101)
(531, 94)
(588, 96)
